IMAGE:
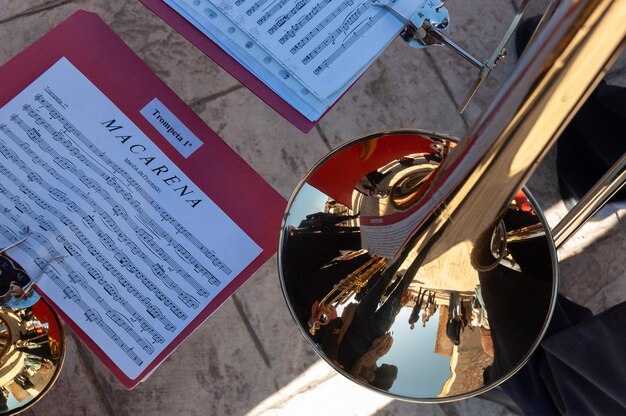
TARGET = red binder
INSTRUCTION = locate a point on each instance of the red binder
(86, 41)
(223, 59)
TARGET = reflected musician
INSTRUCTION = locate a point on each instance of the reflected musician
(356, 340)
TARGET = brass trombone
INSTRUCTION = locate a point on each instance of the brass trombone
(462, 235)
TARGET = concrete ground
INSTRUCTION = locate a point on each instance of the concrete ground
(248, 358)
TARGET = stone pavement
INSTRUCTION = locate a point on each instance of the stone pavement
(248, 358)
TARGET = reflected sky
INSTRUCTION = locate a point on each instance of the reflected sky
(422, 373)
(309, 201)
(423, 376)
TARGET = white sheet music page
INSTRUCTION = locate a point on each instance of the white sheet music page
(221, 30)
(324, 43)
(145, 249)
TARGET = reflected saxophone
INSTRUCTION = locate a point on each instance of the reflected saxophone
(345, 289)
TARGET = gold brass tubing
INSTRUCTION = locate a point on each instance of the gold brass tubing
(526, 233)
(353, 283)
(502, 149)
(606, 187)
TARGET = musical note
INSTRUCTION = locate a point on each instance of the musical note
(71, 294)
(76, 277)
(23, 207)
(71, 249)
(82, 201)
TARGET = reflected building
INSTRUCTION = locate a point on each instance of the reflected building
(467, 364)
(443, 345)
(468, 360)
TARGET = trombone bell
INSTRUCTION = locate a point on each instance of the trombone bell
(451, 328)
(467, 253)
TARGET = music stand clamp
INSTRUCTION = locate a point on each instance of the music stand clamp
(429, 26)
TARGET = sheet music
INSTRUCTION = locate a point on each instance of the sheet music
(385, 236)
(254, 58)
(325, 44)
(145, 249)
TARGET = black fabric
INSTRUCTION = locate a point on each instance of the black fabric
(592, 142)
(518, 305)
(524, 33)
(517, 302)
(580, 367)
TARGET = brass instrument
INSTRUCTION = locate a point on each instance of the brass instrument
(344, 290)
(32, 340)
(32, 345)
(432, 212)
(462, 233)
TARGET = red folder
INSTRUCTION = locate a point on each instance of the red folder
(339, 174)
(113, 67)
(230, 64)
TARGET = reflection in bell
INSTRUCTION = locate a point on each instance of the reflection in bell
(32, 352)
(386, 315)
